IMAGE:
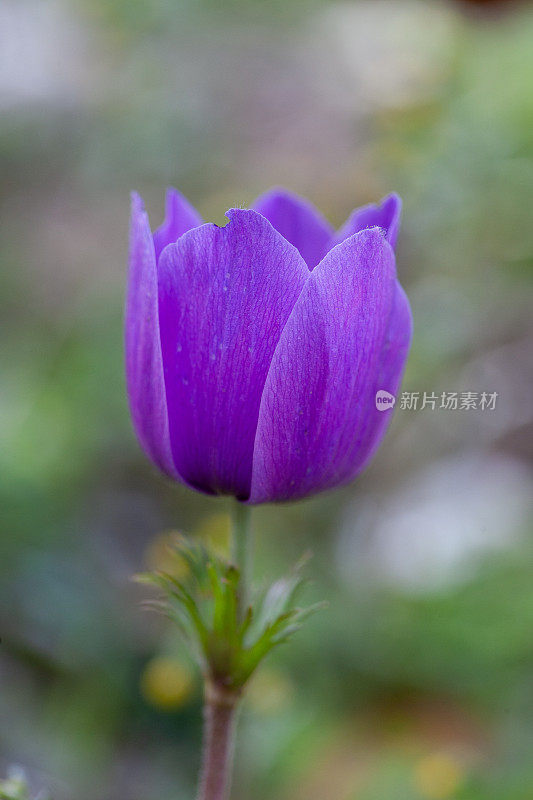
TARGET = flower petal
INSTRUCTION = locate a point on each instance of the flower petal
(144, 367)
(180, 217)
(392, 363)
(298, 221)
(321, 380)
(225, 295)
(386, 215)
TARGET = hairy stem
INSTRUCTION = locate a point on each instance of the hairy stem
(220, 711)
(220, 706)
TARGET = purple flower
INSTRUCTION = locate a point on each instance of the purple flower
(254, 351)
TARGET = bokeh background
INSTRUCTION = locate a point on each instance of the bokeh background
(417, 682)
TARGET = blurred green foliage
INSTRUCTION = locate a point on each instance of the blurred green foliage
(392, 692)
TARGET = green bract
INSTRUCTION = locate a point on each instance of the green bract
(205, 605)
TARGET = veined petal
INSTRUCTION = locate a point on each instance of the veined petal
(298, 221)
(391, 366)
(144, 367)
(180, 217)
(385, 215)
(315, 402)
(225, 295)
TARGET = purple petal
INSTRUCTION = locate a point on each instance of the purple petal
(386, 215)
(320, 385)
(180, 217)
(144, 367)
(392, 362)
(298, 221)
(225, 295)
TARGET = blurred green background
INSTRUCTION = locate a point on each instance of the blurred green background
(417, 682)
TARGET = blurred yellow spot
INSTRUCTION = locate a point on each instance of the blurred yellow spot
(270, 691)
(167, 683)
(161, 555)
(214, 533)
(438, 776)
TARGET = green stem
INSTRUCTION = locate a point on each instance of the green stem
(241, 550)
